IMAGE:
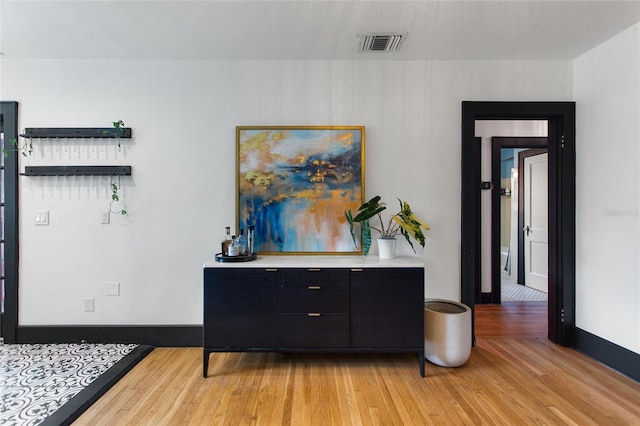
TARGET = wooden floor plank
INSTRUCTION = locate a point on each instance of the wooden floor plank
(514, 376)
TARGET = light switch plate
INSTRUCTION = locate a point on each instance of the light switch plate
(42, 217)
(89, 304)
(113, 289)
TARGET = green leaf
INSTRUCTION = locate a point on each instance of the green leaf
(5, 153)
(351, 227)
(123, 212)
(372, 202)
(369, 209)
(368, 213)
(115, 197)
(366, 236)
(410, 225)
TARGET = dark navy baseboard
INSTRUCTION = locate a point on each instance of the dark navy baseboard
(610, 354)
(486, 298)
(158, 336)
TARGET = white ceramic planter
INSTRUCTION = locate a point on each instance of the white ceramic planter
(447, 332)
(387, 248)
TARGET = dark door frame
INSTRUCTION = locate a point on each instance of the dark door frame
(497, 144)
(561, 119)
(9, 118)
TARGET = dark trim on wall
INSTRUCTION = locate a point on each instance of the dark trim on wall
(470, 269)
(9, 117)
(620, 359)
(486, 298)
(158, 335)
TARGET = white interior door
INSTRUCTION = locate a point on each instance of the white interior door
(536, 232)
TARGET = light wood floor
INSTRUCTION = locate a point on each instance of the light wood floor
(512, 378)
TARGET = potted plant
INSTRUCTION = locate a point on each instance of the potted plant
(25, 149)
(405, 222)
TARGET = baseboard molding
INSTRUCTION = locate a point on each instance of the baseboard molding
(486, 298)
(610, 354)
(159, 336)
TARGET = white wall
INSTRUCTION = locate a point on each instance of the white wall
(486, 129)
(607, 92)
(181, 194)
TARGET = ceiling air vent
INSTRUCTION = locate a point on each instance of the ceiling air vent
(380, 42)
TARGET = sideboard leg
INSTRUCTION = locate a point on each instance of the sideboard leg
(205, 362)
(421, 362)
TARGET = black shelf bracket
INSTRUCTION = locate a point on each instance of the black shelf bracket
(77, 132)
(77, 171)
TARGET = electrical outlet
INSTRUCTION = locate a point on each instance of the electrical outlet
(89, 304)
(42, 217)
(105, 217)
(113, 289)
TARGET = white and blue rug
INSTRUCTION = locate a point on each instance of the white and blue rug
(54, 383)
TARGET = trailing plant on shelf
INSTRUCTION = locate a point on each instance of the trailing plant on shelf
(405, 222)
(117, 132)
(115, 198)
(26, 148)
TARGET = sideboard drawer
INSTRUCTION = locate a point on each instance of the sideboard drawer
(314, 330)
(314, 298)
(316, 276)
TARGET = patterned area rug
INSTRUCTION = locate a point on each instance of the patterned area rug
(55, 383)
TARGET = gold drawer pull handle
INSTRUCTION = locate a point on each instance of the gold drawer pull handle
(313, 314)
(356, 269)
(271, 269)
(313, 269)
(313, 287)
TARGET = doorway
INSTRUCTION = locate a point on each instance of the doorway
(561, 157)
(511, 193)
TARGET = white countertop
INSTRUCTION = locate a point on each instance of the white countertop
(326, 261)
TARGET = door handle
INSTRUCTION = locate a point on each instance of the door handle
(526, 229)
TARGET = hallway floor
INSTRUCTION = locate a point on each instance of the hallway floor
(512, 291)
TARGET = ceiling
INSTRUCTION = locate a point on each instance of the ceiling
(308, 29)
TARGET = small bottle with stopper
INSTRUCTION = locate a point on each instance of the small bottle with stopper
(225, 241)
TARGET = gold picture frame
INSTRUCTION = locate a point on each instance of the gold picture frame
(294, 184)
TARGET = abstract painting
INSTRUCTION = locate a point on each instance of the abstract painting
(295, 184)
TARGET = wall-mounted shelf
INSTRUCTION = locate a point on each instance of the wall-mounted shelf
(76, 132)
(77, 171)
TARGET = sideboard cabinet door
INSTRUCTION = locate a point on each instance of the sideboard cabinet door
(387, 308)
(241, 308)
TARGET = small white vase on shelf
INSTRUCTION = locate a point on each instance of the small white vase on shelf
(387, 248)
